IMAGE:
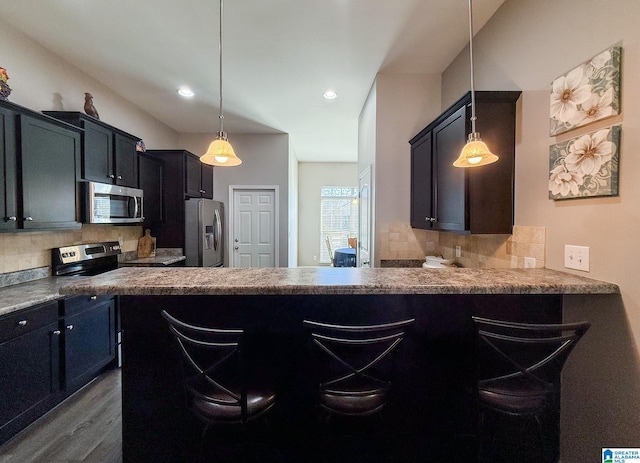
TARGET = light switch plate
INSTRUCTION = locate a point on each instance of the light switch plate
(576, 257)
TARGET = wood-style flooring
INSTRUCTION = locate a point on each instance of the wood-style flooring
(86, 428)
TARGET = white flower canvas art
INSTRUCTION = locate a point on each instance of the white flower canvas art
(585, 166)
(587, 93)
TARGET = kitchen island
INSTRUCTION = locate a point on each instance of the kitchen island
(432, 415)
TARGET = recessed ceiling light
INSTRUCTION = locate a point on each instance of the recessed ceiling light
(185, 91)
(330, 95)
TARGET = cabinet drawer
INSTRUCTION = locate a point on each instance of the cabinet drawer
(76, 304)
(25, 321)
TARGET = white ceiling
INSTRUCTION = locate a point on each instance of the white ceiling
(279, 57)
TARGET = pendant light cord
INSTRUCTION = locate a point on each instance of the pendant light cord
(221, 116)
(473, 93)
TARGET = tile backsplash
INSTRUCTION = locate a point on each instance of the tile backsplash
(29, 250)
(400, 241)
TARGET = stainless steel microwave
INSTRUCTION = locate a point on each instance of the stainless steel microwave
(112, 203)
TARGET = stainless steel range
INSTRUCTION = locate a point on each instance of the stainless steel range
(89, 259)
(85, 259)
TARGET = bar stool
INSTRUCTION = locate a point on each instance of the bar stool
(215, 381)
(354, 366)
(520, 366)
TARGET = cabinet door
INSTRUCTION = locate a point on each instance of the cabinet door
(50, 162)
(206, 180)
(193, 174)
(29, 367)
(150, 181)
(126, 159)
(97, 161)
(421, 184)
(450, 201)
(8, 199)
(89, 342)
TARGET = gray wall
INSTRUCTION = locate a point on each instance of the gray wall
(313, 176)
(525, 46)
(265, 161)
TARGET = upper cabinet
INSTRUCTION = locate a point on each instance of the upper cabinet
(469, 200)
(150, 173)
(41, 165)
(108, 154)
(189, 178)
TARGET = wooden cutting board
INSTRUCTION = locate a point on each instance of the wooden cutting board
(147, 245)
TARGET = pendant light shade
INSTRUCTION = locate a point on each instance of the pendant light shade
(475, 153)
(220, 152)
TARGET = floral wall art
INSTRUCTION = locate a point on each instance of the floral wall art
(587, 93)
(585, 166)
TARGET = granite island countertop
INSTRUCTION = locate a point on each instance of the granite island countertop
(310, 281)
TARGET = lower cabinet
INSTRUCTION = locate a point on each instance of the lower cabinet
(49, 351)
(89, 338)
(29, 366)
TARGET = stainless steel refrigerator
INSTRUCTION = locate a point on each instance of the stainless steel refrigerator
(204, 233)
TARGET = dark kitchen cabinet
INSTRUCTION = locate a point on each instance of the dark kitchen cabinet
(108, 154)
(49, 162)
(421, 187)
(150, 174)
(89, 338)
(40, 167)
(29, 366)
(188, 178)
(472, 200)
(199, 178)
(8, 156)
(49, 351)
(184, 177)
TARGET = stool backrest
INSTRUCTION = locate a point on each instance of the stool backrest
(211, 360)
(537, 353)
(353, 354)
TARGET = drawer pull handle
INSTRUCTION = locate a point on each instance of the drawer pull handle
(69, 327)
(56, 332)
(93, 298)
(22, 323)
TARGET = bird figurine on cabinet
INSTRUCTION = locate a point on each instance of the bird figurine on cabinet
(89, 108)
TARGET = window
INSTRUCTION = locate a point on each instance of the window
(338, 218)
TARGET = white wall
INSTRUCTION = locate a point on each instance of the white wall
(265, 161)
(41, 81)
(313, 176)
(525, 46)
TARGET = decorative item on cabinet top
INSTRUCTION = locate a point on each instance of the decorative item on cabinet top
(89, 108)
(5, 90)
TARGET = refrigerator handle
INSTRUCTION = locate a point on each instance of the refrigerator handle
(217, 230)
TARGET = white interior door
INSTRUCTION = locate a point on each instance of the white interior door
(364, 219)
(254, 235)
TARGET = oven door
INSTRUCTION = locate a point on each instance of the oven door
(105, 203)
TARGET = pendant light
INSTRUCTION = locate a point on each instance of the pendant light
(475, 153)
(220, 152)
